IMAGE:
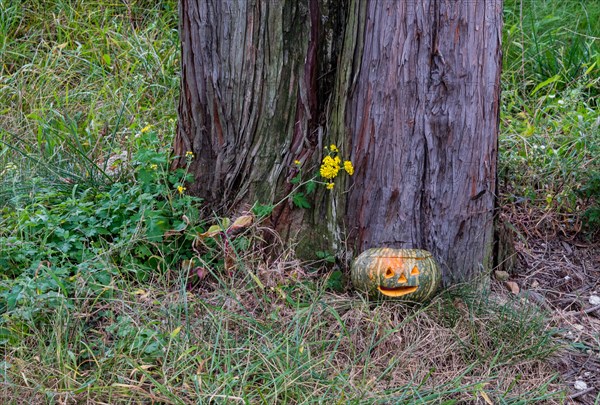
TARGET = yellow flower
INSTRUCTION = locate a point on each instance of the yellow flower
(328, 172)
(146, 128)
(297, 162)
(189, 155)
(333, 148)
(348, 167)
(181, 189)
(328, 160)
(330, 186)
(153, 166)
(330, 167)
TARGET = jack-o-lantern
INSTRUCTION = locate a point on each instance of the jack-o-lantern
(407, 274)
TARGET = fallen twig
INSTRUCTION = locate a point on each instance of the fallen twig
(580, 393)
(592, 309)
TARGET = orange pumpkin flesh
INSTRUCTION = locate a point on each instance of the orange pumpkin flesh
(396, 291)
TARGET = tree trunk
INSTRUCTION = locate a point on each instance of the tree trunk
(408, 89)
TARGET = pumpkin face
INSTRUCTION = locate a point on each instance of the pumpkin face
(407, 274)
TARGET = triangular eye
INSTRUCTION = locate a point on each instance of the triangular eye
(389, 273)
(415, 271)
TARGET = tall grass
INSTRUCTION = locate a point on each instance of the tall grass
(242, 344)
(552, 41)
(550, 135)
(78, 82)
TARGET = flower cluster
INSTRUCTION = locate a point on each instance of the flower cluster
(348, 167)
(331, 165)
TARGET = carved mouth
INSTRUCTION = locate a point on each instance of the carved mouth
(397, 291)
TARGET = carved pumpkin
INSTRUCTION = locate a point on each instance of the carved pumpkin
(407, 274)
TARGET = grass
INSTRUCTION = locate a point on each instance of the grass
(549, 117)
(79, 82)
(170, 345)
(99, 306)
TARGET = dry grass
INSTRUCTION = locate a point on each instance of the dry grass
(291, 341)
(562, 271)
(261, 327)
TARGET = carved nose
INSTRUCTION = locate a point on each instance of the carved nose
(402, 279)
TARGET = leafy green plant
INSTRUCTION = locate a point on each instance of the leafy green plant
(142, 226)
(146, 343)
(549, 117)
(590, 192)
(330, 168)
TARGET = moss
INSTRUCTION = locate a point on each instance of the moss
(312, 239)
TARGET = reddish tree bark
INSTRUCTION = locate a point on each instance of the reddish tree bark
(409, 88)
(424, 125)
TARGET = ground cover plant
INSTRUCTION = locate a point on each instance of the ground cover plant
(116, 289)
(550, 115)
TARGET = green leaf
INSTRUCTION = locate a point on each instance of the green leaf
(335, 281)
(543, 84)
(142, 251)
(589, 70)
(311, 185)
(224, 223)
(214, 229)
(296, 179)
(102, 277)
(262, 211)
(300, 201)
(156, 224)
(7, 336)
(328, 257)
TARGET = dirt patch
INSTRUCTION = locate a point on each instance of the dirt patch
(561, 273)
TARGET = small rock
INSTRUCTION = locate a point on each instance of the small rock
(501, 275)
(535, 284)
(594, 300)
(535, 297)
(580, 385)
(567, 278)
(512, 286)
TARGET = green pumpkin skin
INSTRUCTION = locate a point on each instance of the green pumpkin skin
(400, 274)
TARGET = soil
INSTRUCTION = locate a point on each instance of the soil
(560, 271)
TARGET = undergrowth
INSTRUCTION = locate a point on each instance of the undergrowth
(550, 120)
(293, 342)
(115, 290)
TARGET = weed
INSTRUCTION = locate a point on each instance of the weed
(549, 139)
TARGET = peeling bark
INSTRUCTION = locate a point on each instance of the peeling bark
(247, 100)
(423, 121)
(409, 88)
